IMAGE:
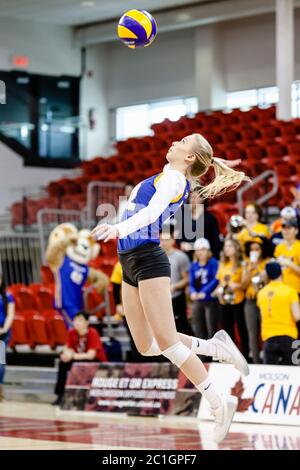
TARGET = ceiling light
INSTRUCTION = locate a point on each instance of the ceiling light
(88, 3)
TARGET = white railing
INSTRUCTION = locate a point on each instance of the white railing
(102, 192)
(20, 257)
(263, 176)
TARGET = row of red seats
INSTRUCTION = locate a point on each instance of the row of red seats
(215, 119)
(36, 321)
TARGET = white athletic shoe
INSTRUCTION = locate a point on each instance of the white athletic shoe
(228, 352)
(223, 417)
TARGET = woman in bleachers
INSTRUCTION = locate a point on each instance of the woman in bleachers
(203, 281)
(254, 279)
(288, 254)
(253, 225)
(7, 311)
(196, 222)
(231, 292)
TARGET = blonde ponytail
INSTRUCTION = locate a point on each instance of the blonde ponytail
(226, 178)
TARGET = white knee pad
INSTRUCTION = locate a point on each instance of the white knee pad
(153, 350)
(177, 353)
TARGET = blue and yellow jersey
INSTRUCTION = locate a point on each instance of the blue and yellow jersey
(69, 281)
(139, 199)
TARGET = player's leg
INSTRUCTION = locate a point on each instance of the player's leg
(157, 305)
(139, 327)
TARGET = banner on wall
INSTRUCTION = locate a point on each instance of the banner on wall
(270, 394)
(144, 389)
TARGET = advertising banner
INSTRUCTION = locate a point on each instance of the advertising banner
(145, 389)
(270, 394)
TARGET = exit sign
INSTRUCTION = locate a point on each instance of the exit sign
(20, 61)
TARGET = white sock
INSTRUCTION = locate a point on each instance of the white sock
(210, 394)
(203, 346)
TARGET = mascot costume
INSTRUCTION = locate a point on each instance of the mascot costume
(68, 253)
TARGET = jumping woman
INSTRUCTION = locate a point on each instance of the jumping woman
(146, 270)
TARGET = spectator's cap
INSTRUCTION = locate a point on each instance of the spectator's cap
(288, 213)
(201, 243)
(273, 270)
(290, 223)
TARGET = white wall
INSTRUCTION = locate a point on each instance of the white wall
(50, 48)
(94, 88)
(14, 176)
(165, 69)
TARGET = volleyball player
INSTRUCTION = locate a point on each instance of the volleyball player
(146, 269)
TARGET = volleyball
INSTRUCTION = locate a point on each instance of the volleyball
(137, 28)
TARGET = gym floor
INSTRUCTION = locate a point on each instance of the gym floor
(33, 426)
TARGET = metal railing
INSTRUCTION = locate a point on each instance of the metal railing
(47, 219)
(20, 257)
(99, 192)
(268, 195)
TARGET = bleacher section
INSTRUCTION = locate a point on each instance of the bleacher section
(256, 136)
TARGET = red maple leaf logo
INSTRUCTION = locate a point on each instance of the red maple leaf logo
(238, 390)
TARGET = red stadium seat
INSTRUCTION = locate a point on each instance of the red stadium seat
(56, 327)
(36, 324)
(47, 275)
(19, 331)
(25, 300)
(44, 298)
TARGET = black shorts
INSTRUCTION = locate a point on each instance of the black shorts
(144, 262)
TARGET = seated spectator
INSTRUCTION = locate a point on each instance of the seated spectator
(253, 226)
(7, 312)
(287, 254)
(83, 344)
(180, 266)
(197, 222)
(203, 281)
(287, 213)
(279, 308)
(231, 292)
(253, 279)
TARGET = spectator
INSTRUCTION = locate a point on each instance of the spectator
(279, 308)
(180, 265)
(287, 254)
(203, 281)
(254, 279)
(197, 222)
(231, 292)
(116, 280)
(83, 344)
(7, 311)
(287, 213)
(253, 226)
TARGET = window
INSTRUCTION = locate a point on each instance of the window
(135, 121)
(263, 97)
(255, 97)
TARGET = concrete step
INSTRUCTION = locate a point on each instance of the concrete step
(30, 383)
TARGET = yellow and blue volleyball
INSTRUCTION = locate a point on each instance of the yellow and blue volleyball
(137, 28)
